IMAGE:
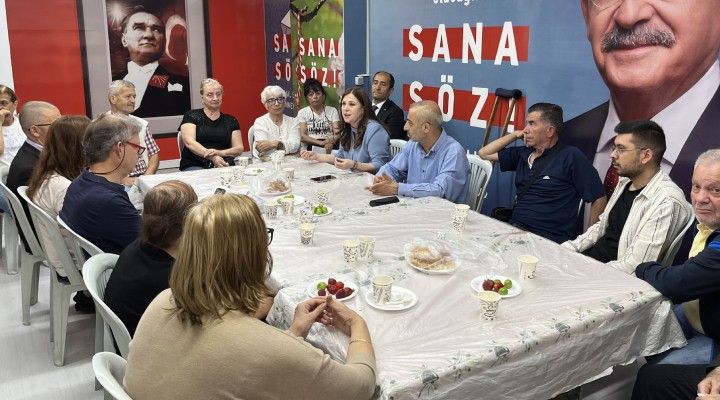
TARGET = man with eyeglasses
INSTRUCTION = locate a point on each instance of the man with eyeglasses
(96, 205)
(121, 96)
(646, 211)
(659, 59)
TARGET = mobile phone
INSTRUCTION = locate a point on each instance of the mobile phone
(383, 201)
(323, 178)
(219, 191)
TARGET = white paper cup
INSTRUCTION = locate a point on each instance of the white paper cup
(458, 221)
(527, 265)
(323, 195)
(462, 208)
(238, 175)
(271, 210)
(289, 173)
(226, 178)
(306, 233)
(350, 250)
(287, 204)
(367, 247)
(382, 288)
(242, 161)
(489, 303)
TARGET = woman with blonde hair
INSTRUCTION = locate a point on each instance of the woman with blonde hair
(203, 328)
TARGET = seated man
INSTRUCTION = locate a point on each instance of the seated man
(696, 283)
(432, 163)
(678, 381)
(646, 211)
(549, 207)
(96, 205)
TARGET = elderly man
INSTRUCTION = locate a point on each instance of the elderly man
(696, 283)
(659, 60)
(563, 175)
(387, 111)
(96, 205)
(122, 101)
(646, 211)
(35, 119)
(159, 92)
(432, 163)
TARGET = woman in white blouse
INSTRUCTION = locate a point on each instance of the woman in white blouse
(275, 130)
(12, 135)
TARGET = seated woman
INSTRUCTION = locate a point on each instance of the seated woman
(61, 161)
(211, 138)
(318, 123)
(203, 329)
(12, 134)
(275, 130)
(143, 269)
(364, 142)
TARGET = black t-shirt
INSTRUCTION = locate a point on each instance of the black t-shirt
(215, 134)
(606, 248)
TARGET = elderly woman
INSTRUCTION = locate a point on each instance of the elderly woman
(364, 142)
(211, 138)
(275, 130)
(12, 134)
(204, 330)
(318, 123)
(143, 269)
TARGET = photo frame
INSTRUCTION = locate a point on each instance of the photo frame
(99, 60)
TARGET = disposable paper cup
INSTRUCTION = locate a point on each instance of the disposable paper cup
(306, 233)
(323, 195)
(367, 247)
(527, 264)
(489, 302)
(271, 210)
(458, 221)
(242, 161)
(289, 173)
(238, 174)
(287, 205)
(462, 208)
(350, 250)
(226, 178)
(382, 288)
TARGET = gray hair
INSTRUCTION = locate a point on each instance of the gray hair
(271, 92)
(709, 156)
(105, 132)
(32, 113)
(209, 82)
(427, 111)
(118, 85)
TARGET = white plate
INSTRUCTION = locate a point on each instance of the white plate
(312, 289)
(516, 289)
(298, 200)
(322, 215)
(411, 299)
(253, 171)
(286, 191)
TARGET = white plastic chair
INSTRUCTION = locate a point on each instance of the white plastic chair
(60, 289)
(251, 141)
(480, 173)
(80, 244)
(669, 256)
(11, 251)
(396, 146)
(29, 262)
(180, 143)
(109, 370)
(96, 273)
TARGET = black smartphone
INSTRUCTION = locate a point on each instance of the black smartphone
(323, 178)
(219, 191)
(383, 201)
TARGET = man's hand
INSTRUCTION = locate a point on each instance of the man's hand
(265, 145)
(710, 385)
(384, 186)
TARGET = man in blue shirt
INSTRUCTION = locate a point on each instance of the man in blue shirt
(549, 207)
(432, 163)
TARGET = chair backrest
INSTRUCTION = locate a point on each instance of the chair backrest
(43, 219)
(669, 256)
(80, 243)
(251, 140)
(480, 172)
(96, 273)
(396, 146)
(180, 143)
(109, 370)
(19, 214)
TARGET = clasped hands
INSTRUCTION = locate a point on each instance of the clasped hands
(709, 387)
(216, 157)
(383, 185)
(325, 310)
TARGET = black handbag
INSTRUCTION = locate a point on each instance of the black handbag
(503, 214)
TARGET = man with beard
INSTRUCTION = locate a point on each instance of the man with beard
(646, 211)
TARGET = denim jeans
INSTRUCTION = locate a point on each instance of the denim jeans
(699, 349)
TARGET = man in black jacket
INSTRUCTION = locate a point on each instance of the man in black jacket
(387, 111)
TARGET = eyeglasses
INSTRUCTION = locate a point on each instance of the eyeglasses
(277, 100)
(603, 4)
(270, 231)
(620, 150)
(48, 124)
(139, 148)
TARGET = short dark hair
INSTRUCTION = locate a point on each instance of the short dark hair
(164, 210)
(392, 78)
(313, 85)
(8, 91)
(551, 114)
(135, 10)
(646, 134)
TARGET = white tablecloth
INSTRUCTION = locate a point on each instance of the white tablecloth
(573, 321)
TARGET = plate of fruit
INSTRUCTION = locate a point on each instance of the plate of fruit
(504, 286)
(298, 199)
(321, 210)
(339, 289)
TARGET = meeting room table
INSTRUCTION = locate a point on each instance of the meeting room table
(569, 325)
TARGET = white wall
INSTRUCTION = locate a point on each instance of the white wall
(6, 76)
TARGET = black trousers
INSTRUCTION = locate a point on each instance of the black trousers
(667, 381)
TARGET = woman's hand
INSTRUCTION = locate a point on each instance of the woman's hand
(337, 314)
(265, 145)
(218, 161)
(344, 163)
(308, 155)
(306, 313)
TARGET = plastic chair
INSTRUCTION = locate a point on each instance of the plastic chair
(109, 370)
(80, 244)
(29, 262)
(96, 273)
(670, 253)
(11, 251)
(251, 141)
(480, 173)
(180, 143)
(60, 288)
(396, 146)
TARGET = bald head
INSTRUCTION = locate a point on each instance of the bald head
(35, 119)
(428, 111)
